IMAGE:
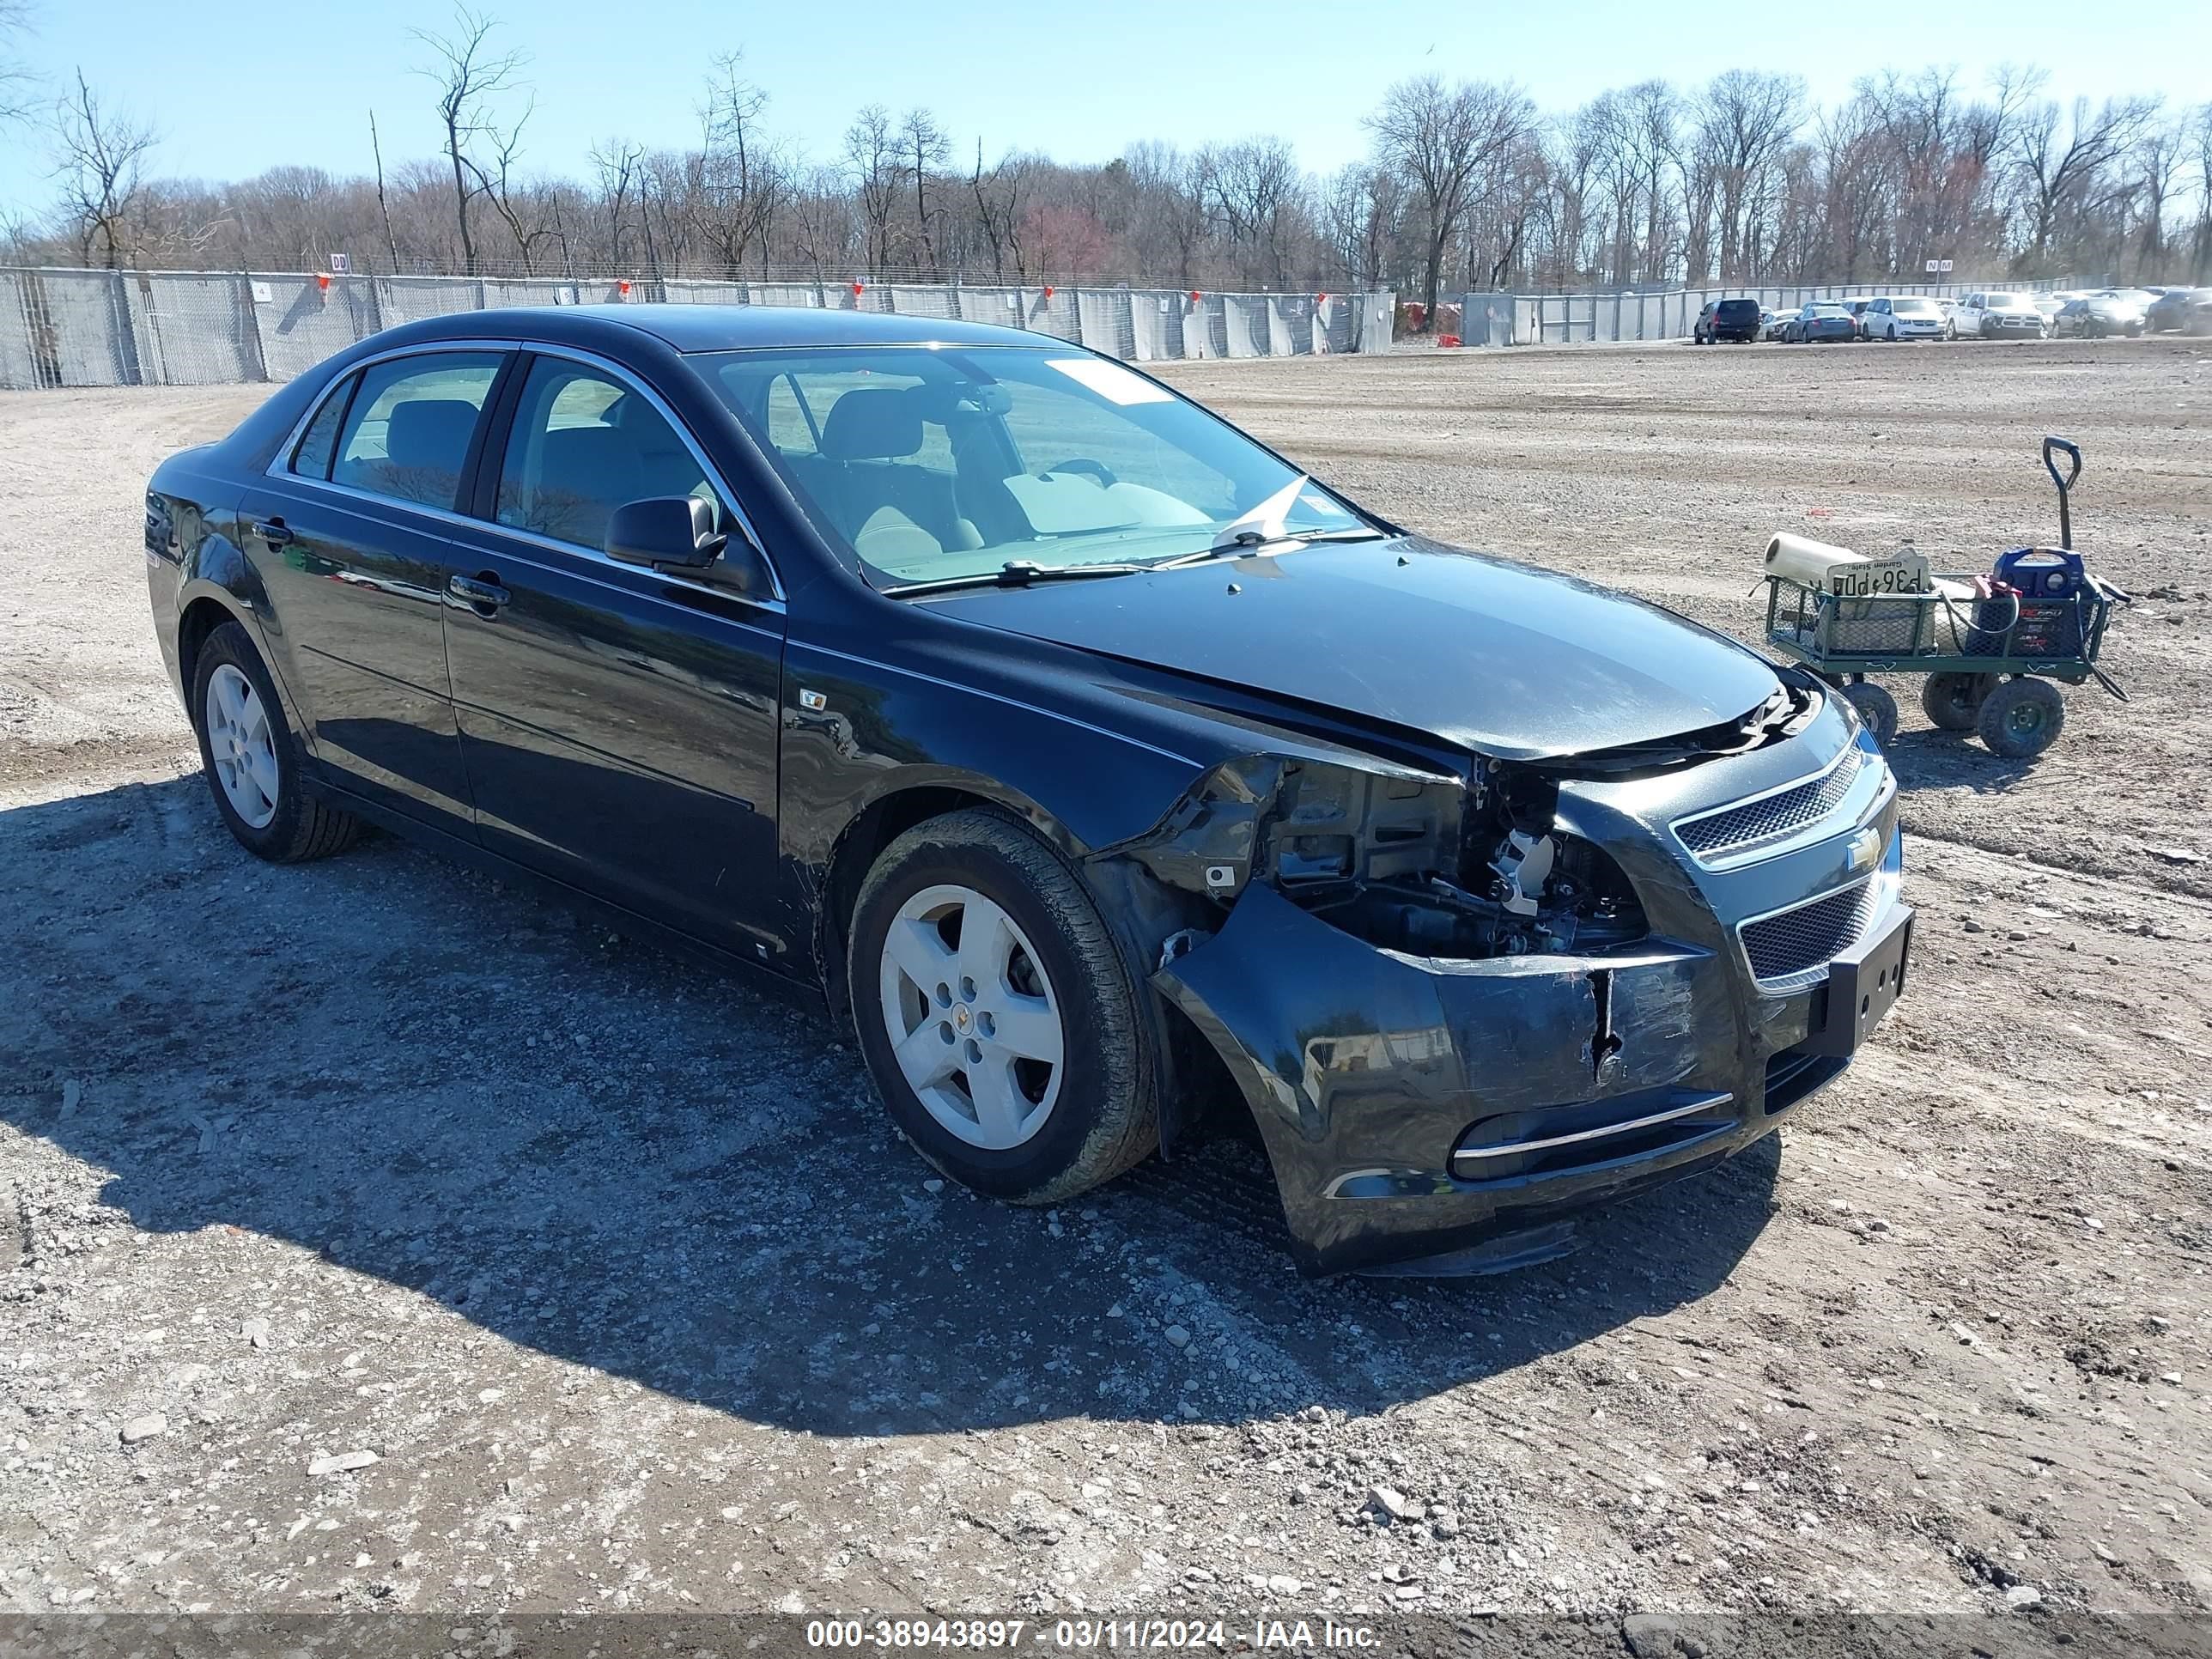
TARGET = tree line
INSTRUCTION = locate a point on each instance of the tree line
(1466, 185)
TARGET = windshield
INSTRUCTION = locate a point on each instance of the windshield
(934, 465)
(1825, 311)
(1913, 307)
(2010, 303)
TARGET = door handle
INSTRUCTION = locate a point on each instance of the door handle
(272, 531)
(483, 594)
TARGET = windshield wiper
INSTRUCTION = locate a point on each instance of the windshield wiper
(1015, 573)
(1249, 544)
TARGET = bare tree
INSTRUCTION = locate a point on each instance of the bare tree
(525, 213)
(616, 162)
(1001, 203)
(19, 86)
(741, 181)
(2061, 157)
(922, 145)
(1746, 119)
(1440, 137)
(100, 155)
(468, 75)
(871, 160)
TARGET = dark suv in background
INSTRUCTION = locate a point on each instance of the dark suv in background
(1728, 320)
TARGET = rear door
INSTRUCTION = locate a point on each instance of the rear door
(350, 531)
(619, 726)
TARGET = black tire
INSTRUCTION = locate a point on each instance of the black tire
(1105, 1118)
(1954, 702)
(302, 827)
(1877, 708)
(2021, 717)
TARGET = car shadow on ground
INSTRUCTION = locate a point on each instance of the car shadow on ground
(1926, 758)
(599, 1151)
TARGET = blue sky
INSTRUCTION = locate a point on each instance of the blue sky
(236, 87)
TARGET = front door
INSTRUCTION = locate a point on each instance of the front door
(350, 535)
(618, 726)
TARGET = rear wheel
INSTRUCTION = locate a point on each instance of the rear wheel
(252, 761)
(995, 1013)
(2021, 717)
(1954, 702)
(1876, 708)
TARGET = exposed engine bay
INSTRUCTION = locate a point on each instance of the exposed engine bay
(1410, 862)
(1432, 865)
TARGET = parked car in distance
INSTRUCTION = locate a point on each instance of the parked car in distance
(1997, 315)
(1821, 320)
(2171, 309)
(1728, 319)
(1857, 307)
(1070, 744)
(1902, 316)
(1773, 320)
(2096, 317)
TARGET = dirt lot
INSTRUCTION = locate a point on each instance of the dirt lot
(617, 1271)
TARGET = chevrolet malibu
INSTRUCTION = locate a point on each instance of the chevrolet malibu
(1100, 766)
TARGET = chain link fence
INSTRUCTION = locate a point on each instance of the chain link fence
(89, 328)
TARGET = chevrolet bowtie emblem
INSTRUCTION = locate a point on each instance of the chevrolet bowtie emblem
(1865, 849)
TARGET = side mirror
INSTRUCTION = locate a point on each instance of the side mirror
(664, 532)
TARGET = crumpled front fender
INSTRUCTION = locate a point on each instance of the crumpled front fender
(1365, 1069)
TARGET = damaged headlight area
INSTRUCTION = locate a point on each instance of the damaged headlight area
(1413, 861)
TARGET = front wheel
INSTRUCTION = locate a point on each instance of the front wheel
(995, 1013)
(2021, 718)
(251, 759)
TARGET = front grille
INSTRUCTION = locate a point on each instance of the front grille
(1771, 817)
(1799, 943)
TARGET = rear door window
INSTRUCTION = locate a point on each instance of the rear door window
(312, 460)
(407, 434)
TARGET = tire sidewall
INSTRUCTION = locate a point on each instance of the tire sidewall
(229, 644)
(1091, 1072)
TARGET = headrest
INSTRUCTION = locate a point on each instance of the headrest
(872, 423)
(429, 432)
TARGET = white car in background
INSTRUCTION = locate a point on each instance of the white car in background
(1989, 316)
(1902, 316)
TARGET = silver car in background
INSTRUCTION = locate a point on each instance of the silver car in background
(1990, 316)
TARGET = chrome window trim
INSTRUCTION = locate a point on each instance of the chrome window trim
(675, 424)
(280, 467)
(1820, 829)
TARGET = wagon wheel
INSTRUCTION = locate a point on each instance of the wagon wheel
(2021, 717)
(1953, 701)
(1876, 708)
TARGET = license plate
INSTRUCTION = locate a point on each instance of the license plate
(1877, 577)
(1862, 982)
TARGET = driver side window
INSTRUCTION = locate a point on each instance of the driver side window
(582, 444)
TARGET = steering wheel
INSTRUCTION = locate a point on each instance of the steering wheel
(1089, 468)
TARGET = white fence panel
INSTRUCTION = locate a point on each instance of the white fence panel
(1156, 325)
(189, 329)
(406, 299)
(1244, 318)
(999, 306)
(1107, 322)
(298, 322)
(19, 362)
(808, 294)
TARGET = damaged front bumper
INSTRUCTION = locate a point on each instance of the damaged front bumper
(1447, 1116)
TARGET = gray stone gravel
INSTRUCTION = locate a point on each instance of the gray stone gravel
(617, 1274)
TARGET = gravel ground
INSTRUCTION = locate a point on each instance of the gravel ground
(373, 1238)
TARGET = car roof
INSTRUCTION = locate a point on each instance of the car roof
(723, 328)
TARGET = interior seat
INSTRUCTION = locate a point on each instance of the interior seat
(873, 489)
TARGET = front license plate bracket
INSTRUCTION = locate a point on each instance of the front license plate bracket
(1862, 982)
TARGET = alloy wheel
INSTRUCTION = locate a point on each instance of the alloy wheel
(241, 746)
(973, 1022)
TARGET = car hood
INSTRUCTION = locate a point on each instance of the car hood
(1483, 653)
